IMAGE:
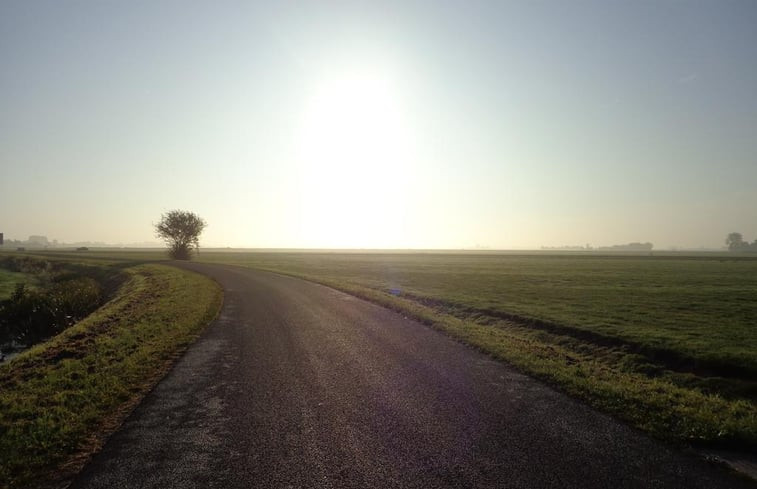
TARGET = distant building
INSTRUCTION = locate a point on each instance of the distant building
(38, 241)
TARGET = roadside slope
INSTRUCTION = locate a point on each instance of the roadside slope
(61, 398)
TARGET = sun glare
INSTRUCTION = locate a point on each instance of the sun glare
(354, 152)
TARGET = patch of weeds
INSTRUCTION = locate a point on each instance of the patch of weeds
(59, 399)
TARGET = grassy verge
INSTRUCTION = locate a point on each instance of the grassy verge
(679, 373)
(606, 379)
(60, 398)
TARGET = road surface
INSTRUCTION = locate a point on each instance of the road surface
(297, 385)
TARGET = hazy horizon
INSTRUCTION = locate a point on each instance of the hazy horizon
(407, 125)
(587, 247)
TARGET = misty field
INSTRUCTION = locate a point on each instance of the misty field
(667, 342)
(703, 309)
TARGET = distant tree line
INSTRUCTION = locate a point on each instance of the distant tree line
(621, 247)
(627, 247)
(735, 242)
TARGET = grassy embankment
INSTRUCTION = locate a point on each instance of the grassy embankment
(666, 343)
(60, 398)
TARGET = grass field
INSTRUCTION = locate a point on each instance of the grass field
(8, 281)
(60, 398)
(702, 308)
(667, 343)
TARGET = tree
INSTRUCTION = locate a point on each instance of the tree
(735, 241)
(181, 231)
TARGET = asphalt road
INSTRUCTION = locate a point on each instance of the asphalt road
(297, 385)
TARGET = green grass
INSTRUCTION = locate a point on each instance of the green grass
(8, 281)
(667, 343)
(58, 399)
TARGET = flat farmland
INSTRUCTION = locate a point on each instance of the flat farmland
(705, 308)
(667, 342)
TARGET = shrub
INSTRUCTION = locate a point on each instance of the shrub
(31, 316)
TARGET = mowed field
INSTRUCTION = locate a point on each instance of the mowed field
(703, 308)
(666, 342)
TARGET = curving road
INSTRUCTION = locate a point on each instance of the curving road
(297, 385)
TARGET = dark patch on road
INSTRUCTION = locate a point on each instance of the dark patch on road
(297, 385)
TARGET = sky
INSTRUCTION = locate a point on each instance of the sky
(360, 124)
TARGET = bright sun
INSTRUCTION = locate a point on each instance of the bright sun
(354, 151)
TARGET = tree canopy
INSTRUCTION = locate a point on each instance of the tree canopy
(735, 242)
(181, 231)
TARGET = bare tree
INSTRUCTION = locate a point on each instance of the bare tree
(181, 231)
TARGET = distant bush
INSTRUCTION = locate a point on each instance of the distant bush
(27, 264)
(181, 230)
(735, 242)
